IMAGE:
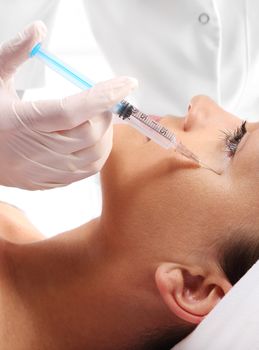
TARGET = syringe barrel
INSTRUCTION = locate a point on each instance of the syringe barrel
(147, 126)
(123, 109)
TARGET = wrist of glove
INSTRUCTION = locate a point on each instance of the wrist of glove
(45, 144)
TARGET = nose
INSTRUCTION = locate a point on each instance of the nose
(201, 111)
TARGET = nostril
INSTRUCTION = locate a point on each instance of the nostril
(185, 123)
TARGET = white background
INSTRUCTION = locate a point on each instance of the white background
(64, 208)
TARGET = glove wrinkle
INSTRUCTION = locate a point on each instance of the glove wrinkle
(52, 143)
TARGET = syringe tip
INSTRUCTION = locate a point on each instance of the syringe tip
(187, 153)
(203, 165)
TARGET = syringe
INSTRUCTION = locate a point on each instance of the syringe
(124, 110)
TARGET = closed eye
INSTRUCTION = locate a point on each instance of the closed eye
(233, 138)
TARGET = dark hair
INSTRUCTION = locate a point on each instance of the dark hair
(235, 257)
(164, 339)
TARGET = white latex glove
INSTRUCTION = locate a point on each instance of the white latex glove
(46, 144)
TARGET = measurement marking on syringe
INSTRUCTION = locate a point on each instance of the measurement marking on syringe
(153, 124)
(123, 109)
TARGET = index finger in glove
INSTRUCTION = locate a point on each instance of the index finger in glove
(68, 113)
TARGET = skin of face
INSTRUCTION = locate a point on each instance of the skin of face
(166, 208)
(161, 196)
(150, 260)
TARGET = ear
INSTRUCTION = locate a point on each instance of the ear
(188, 292)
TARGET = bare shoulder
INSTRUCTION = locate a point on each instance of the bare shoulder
(15, 226)
(15, 330)
(15, 230)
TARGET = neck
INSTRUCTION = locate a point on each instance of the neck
(79, 290)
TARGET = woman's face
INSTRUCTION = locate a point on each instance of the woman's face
(155, 192)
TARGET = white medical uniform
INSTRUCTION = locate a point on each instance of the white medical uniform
(176, 48)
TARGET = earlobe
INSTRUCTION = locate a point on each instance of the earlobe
(188, 292)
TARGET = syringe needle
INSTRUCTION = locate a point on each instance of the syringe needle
(188, 154)
(203, 165)
(155, 131)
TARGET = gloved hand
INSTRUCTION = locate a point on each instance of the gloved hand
(46, 144)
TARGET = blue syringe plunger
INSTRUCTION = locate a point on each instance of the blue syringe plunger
(35, 49)
(153, 130)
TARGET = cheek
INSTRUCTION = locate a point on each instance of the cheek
(134, 161)
(205, 142)
(188, 213)
(163, 196)
(159, 188)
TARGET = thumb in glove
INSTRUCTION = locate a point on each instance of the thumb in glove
(16, 51)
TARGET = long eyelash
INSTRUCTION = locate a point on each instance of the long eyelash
(232, 138)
